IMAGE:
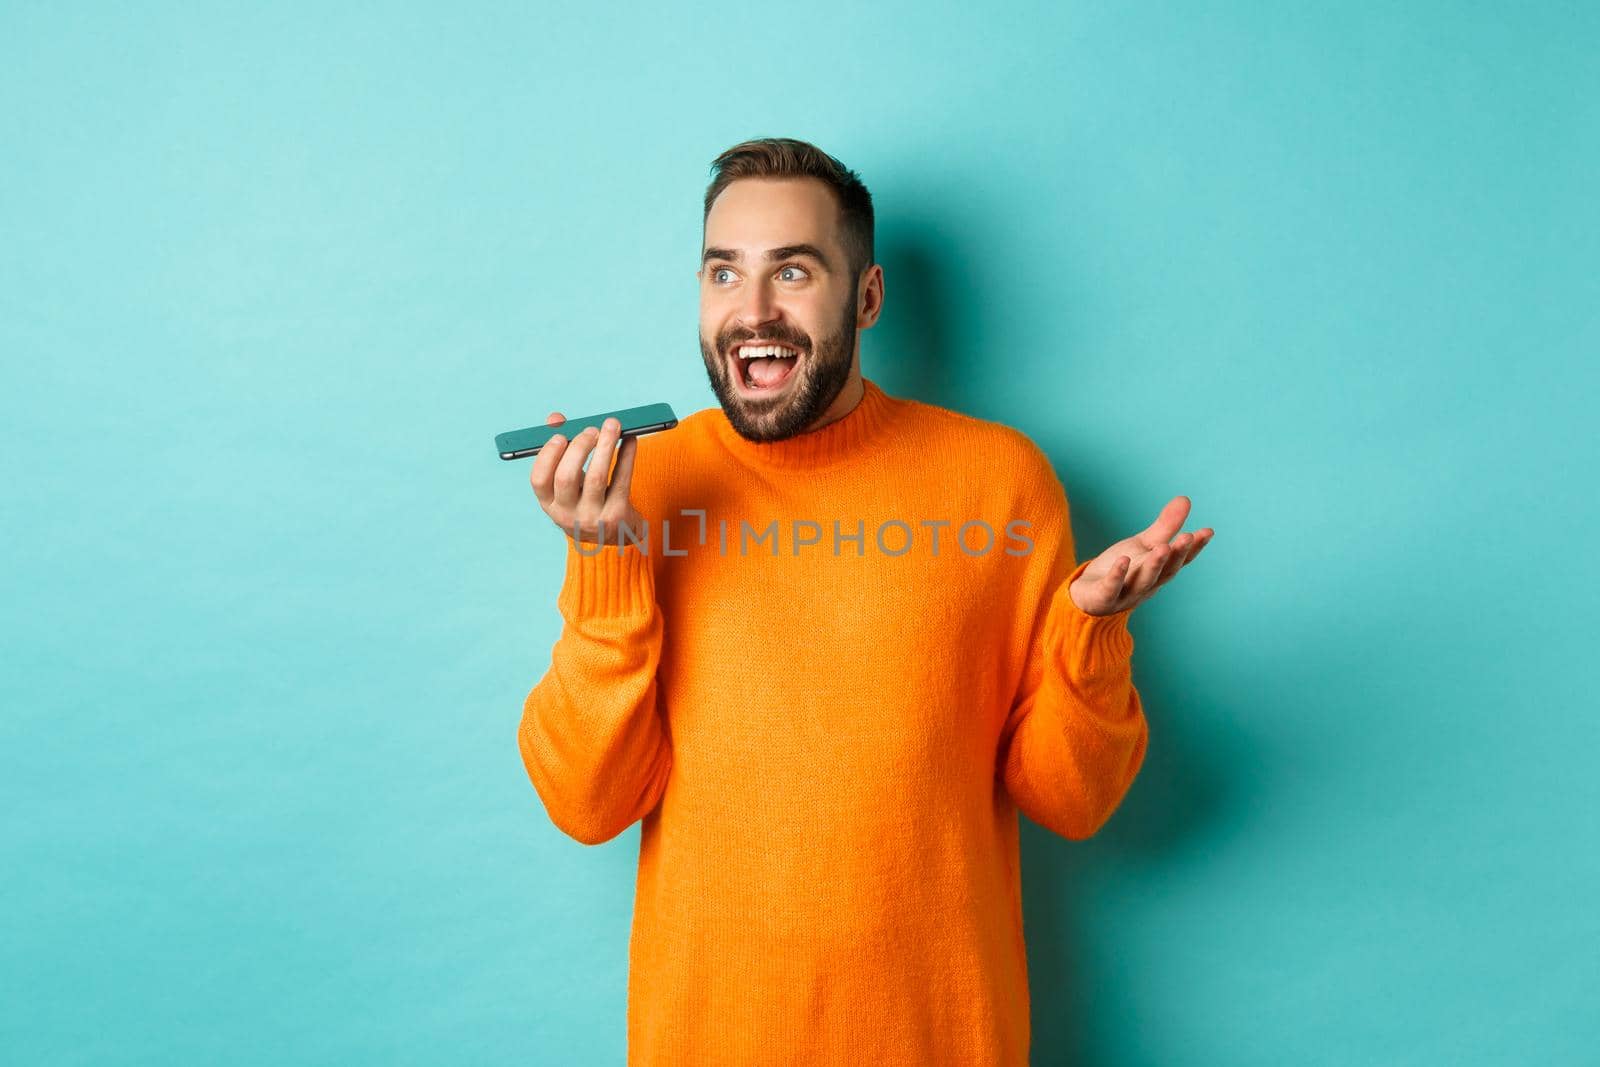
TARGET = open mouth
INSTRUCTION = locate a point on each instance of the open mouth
(764, 368)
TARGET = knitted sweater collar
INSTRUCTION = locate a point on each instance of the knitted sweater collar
(860, 430)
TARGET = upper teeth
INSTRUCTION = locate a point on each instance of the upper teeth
(761, 351)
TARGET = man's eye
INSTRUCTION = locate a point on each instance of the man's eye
(719, 270)
(798, 270)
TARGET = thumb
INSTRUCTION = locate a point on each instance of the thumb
(1167, 524)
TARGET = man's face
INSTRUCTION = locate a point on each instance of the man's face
(773, 271)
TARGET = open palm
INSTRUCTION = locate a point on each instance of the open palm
(1130, 571)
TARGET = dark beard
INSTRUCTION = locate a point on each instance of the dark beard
(823, 370)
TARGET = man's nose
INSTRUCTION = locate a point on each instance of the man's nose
(760, 303)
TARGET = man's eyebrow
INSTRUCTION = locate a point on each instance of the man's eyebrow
(733, 255)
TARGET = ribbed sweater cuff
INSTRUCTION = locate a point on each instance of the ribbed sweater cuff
(1094, 643)
(606, 581)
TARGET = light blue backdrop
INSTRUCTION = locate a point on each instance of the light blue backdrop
(272, 278)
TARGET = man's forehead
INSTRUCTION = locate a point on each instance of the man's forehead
(758, 214)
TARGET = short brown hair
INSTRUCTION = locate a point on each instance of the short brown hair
(784, 157)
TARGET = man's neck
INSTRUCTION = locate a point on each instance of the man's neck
(844, 403)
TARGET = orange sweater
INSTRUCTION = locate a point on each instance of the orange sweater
(828, 748)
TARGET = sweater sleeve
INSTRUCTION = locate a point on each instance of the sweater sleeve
(591, 736)
(1076, 734)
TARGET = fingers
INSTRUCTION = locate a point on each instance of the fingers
(1188, 546)
(1117, 580)
(622, 477)
(1129, 583)
(1169, 522)
(1148, 574)
(1177, 555)
(1182, 551)
(544, 470)
(575, 484)
(569, 470)
(599, 474)
(544, 464)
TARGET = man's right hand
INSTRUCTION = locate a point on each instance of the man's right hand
(573, 497)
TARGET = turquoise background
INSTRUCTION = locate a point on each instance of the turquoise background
(273, 277)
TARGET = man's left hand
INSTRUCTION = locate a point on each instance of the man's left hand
(1130, 571)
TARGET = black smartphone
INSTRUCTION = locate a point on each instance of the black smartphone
(515, 444)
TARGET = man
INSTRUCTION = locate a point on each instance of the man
(792, 650)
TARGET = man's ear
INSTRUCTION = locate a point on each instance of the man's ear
(867, 279)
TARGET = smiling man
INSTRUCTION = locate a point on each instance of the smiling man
(824, 644)
(778, 373)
